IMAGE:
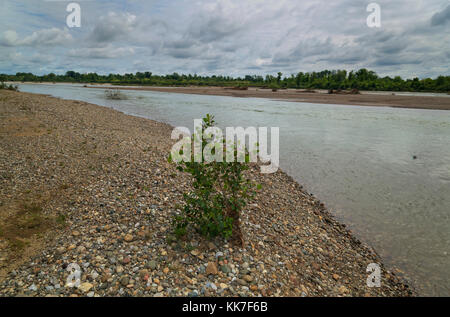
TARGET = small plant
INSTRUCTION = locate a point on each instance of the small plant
(189, 247)
(61, 219)
(219, 193)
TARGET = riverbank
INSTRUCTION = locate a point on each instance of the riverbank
(297, 95)
(88, 185)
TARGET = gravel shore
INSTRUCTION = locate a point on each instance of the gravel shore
(84, 184)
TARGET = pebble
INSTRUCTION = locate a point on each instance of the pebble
(343, 289)
(124, 280)
(248, 278)
(152, 264)
(85, 287)
(211, 268)
(241, 281)
(128, 237)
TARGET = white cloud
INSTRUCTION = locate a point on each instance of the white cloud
(232, 37)
(45, 37)
(9, 38)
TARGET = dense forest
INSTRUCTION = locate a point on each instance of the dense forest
(362, 79)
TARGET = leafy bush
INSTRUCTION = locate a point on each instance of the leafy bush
(220, 192)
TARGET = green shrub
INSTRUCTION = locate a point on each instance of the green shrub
(219, 193)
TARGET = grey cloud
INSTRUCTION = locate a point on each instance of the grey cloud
(213, 29)
(393, 47)
(112, 27)
(179, 44)
(41, 58)
(182, 52)
(441, 17)
(304, 49)
(383, 43)
(344, 58)
(396, 60)
(102, 52)
(215, 23)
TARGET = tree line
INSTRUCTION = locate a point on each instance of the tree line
(362, 79)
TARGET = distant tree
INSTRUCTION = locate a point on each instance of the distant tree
(279, 77)
(325, 79)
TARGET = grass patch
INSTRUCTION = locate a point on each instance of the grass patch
(18, 244)
(61, 219)
(28, 221)
(30, 216)
(32, 207)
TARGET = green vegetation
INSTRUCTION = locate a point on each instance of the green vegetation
(60, 219)
(31, 215)
(362, 79)
(274, 87)
(219, 193)
(18, 244)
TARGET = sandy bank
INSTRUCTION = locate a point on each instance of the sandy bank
(364, 99)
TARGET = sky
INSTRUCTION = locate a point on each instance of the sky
(225, 37)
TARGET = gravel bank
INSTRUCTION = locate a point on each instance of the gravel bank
(319, 97)
(104, 195)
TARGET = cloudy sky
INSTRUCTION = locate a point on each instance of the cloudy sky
(228, 37)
